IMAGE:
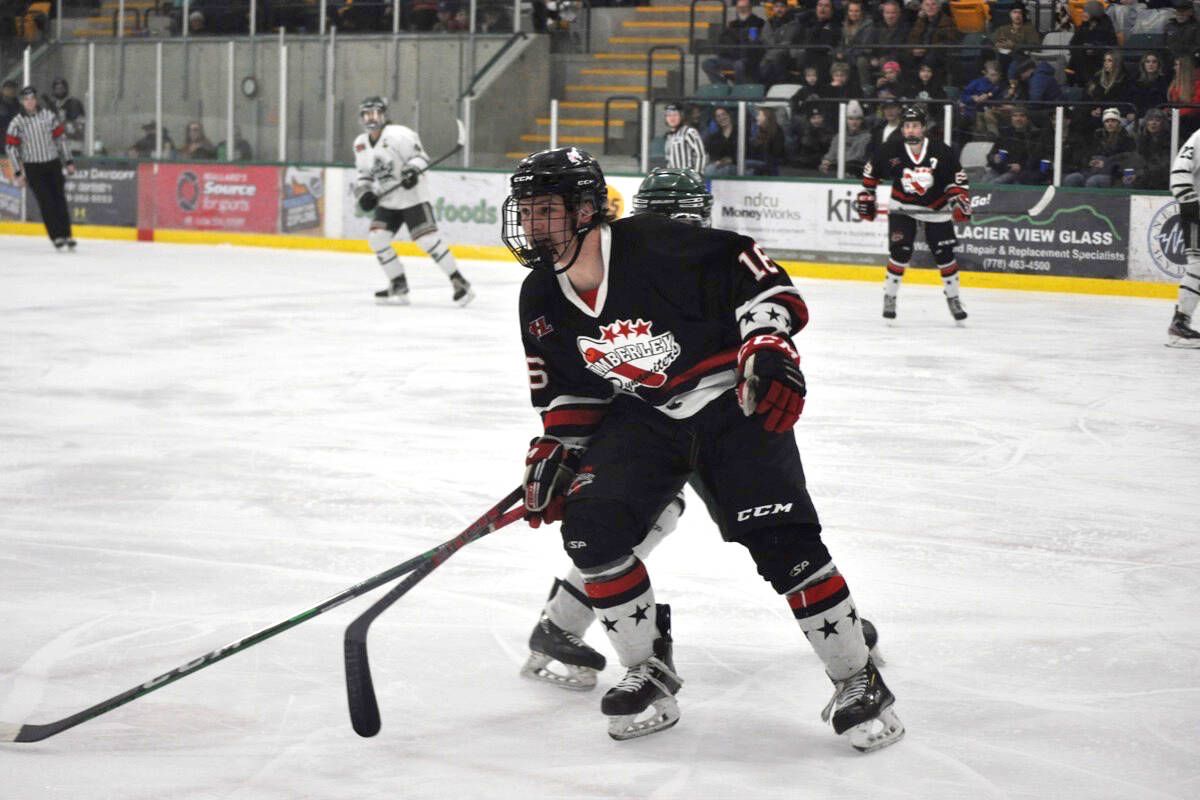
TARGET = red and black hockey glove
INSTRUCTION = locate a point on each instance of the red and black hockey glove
(960, 208)
(550, 467)
(864, 204)
(770, 382)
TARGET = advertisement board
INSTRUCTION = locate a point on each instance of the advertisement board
(10, 195)
(209, 197)
(302, 201)
(1024, 230)
(100, 193)
(466, 205)
(1156, 239)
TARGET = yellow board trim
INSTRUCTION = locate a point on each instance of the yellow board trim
(800, 269)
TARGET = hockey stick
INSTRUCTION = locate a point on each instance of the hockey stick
(462, 142)
(10, 732)
(360, 690)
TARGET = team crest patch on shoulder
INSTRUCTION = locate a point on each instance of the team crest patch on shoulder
(540, 328)
(358, 148)
(629, 354)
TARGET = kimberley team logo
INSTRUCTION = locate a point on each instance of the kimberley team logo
(629, 354)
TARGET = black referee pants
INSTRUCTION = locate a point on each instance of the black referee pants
(49, 187)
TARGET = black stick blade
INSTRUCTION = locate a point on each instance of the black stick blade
(360, 691)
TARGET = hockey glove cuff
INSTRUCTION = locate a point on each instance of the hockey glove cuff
(960, 208)
(368, 201)
(864, 204)
(770, 382)
(550, 467)
(409, 177)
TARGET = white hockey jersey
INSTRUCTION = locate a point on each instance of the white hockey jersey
(1185, 171)
(379, 166)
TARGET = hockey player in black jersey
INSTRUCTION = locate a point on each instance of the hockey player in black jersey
(656, 349)
(557, 653)
(929, 187)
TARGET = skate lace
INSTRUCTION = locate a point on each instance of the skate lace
(846, 692)
(643, 673)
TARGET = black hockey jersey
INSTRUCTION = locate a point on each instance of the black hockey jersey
(675, 304)
(922, 184)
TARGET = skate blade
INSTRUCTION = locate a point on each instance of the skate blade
(1180, 343)
(663, 714)
(579, 679)
(466, 298)
(393, 300)
(876, 734)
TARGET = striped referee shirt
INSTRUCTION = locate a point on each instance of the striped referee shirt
(685, 149)
(36, 138)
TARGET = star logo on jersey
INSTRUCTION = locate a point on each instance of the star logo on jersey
(916, 180)
(629, 354)
(540, 328)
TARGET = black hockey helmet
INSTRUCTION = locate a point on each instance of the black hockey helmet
(914, 113)
(372, 112)
(566, 172)
(677, 193)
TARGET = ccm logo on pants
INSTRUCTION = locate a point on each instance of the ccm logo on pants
(764, 511)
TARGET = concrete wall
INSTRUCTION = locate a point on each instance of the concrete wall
(513, 93)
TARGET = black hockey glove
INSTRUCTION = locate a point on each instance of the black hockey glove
(770, 382)
(549, 469)
(409, 177)
(864, 204)
(1190, 212)
(368, 201)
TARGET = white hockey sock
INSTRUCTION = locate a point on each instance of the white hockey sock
(823, 607)
(1189, 287)
(568, 606)
(891, 282)
(950, 278)
(380, 242)
(624, 604)
(439, 251)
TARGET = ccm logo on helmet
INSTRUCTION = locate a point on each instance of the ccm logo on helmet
(764, 511)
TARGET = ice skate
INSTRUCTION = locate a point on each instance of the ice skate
(1181, 334)
(549, 643)
(648, 686)
(889, 307)
(956, 309)
(71, 244)
(861, 710)
(394, 295)
(462, 289)
(871, 636)
(60, 243)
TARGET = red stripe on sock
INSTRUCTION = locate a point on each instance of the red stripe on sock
(815, 594)
(603, 589)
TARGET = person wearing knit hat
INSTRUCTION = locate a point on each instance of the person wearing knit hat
(1110, 113)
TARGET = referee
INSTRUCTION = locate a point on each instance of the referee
(37, 151)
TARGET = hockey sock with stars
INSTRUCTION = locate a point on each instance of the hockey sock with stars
(895, 274)
(827, 616)
(950, 278)
(624, 604)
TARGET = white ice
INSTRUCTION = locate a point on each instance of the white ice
(198, 442)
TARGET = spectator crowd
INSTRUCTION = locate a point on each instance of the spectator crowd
(1115, 68)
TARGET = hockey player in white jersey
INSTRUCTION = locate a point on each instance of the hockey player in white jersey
(391, 163)
(1185, 182)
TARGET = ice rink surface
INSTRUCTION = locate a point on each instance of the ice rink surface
(199, 442)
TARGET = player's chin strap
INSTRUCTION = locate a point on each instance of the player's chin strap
(580, 234)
